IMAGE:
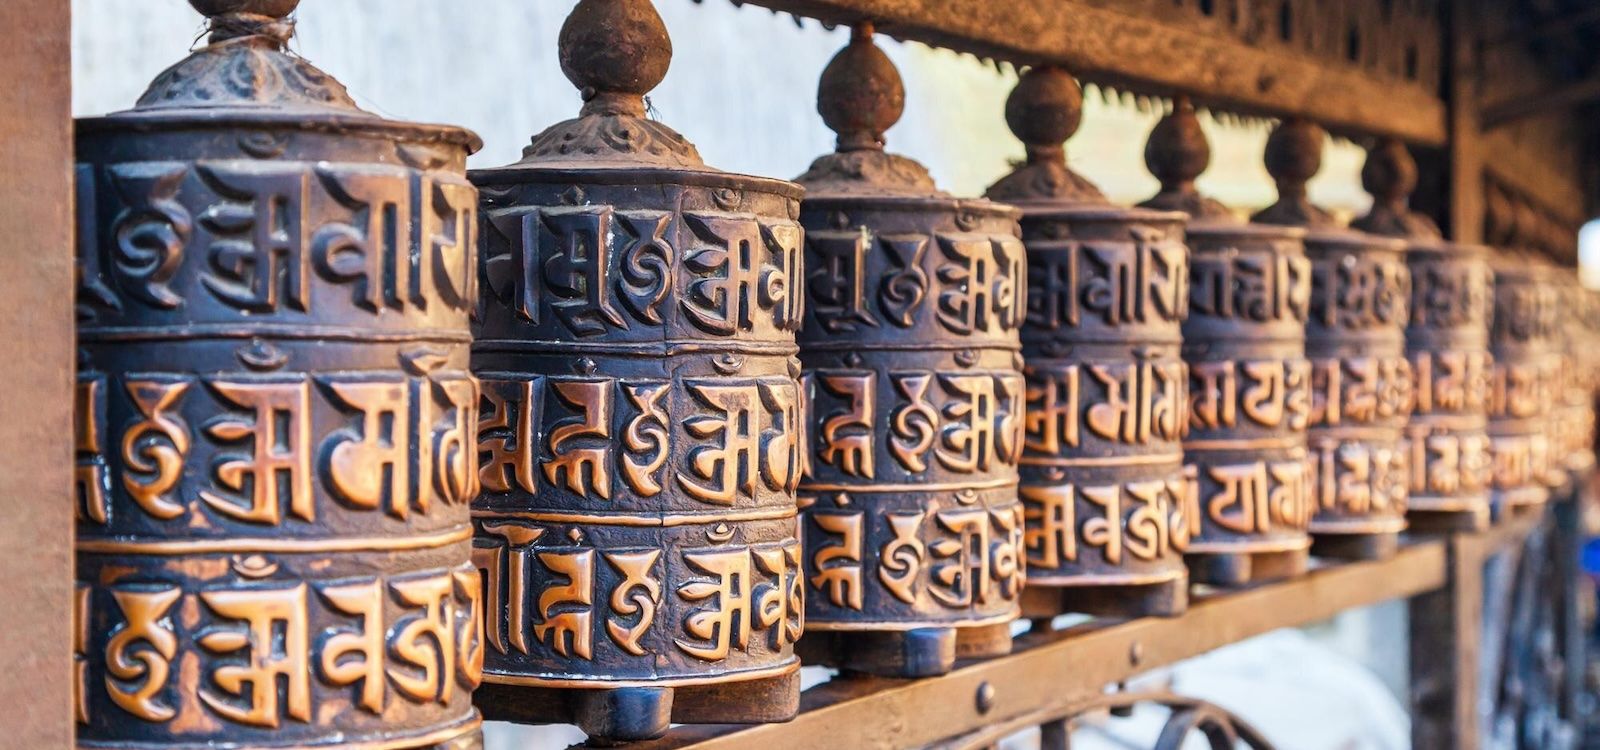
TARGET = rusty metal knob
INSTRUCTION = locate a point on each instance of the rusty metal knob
(861, 95)
(1177, 153)
(1294, 156)
(615, 52)
(1044, 110)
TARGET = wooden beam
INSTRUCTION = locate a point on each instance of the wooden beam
(1145, 55)
(1549, 101)
(36, 363)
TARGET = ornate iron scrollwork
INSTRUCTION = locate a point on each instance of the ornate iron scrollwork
(643, 429)
(274, 423)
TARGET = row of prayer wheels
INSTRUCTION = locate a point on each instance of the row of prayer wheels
(367, 443)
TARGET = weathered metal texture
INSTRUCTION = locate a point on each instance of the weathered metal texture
(1575, 392)
(1359, 67)
(1355, 339)
(1055, 673)
(1523, 339)
(642, 433)
(1102, 464)
(1249, 380)
(910, 349)
(274, 412)
(1447, 342)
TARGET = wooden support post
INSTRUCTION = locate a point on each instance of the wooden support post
(1446, 627)
(1466, 155)
(36, 362)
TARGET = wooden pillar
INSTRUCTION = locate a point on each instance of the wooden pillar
(36, 363)
(1461, 97)
(1446, 628)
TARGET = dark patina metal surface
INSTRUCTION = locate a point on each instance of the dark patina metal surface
(1447, 342)
(1249, 490)
(274, 412)
(914, 298)
(1102, 464)
(1355, 339)
(1523, 339)
(642, 433)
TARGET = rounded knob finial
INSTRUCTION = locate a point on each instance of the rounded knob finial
(231, 19)
(860, 95)
(1178, 152)
(1389, 174)
(1044, 110)
(1294, 155)
(615, 52)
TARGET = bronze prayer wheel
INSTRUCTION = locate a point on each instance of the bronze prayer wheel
(1248, 495)
(1575, 393)
(1447, 342)
(910, 350)
(1356, 341)
(1523, 340)
(274, 412)
(641, 437)
(1102, 462)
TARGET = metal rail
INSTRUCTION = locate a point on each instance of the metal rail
(1049, 673)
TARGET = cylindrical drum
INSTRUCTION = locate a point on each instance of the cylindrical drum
(1102, 464)
(1249, 403)
(274, 414)
(1447, 342)
(1576, 395)
(914, 298)
(1360, 388)
(641, 438)
(1525, 359)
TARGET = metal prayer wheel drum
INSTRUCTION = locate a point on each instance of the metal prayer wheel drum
(912, 527)
(1523, 340)
(1447, 342)
(1247, 496)
(1360, 377)
(642, 434)
(274, 413)
(1576, 393)
(1102, 468)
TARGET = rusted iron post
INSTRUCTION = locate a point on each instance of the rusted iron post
(1355, 339)
(642, 434)
(1249, 380)
(912, 528)
(274, 420)
(1102, 464)
(1447, 342)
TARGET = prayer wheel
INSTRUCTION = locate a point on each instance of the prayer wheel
(1447, 342)
(1575, 392)
(1248, 492)
(915, 392)
(1523, 339)
(1356, 341)
(642, 433)
(274, 412)
(1102, 460)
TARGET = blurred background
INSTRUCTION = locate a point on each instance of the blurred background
(742, 88)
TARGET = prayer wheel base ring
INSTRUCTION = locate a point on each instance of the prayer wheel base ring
(1168, 598)
(630, 714)
(1448, 521)
(1379, 546)
(919, 652)
(1234, 569)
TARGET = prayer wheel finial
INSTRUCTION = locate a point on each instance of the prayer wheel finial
(615, 52)
(1043, 111)
(1390, 175)
(861, 95)
(1294, 156)
(1177, 153)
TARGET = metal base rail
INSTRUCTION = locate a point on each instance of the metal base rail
(1050, 674)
